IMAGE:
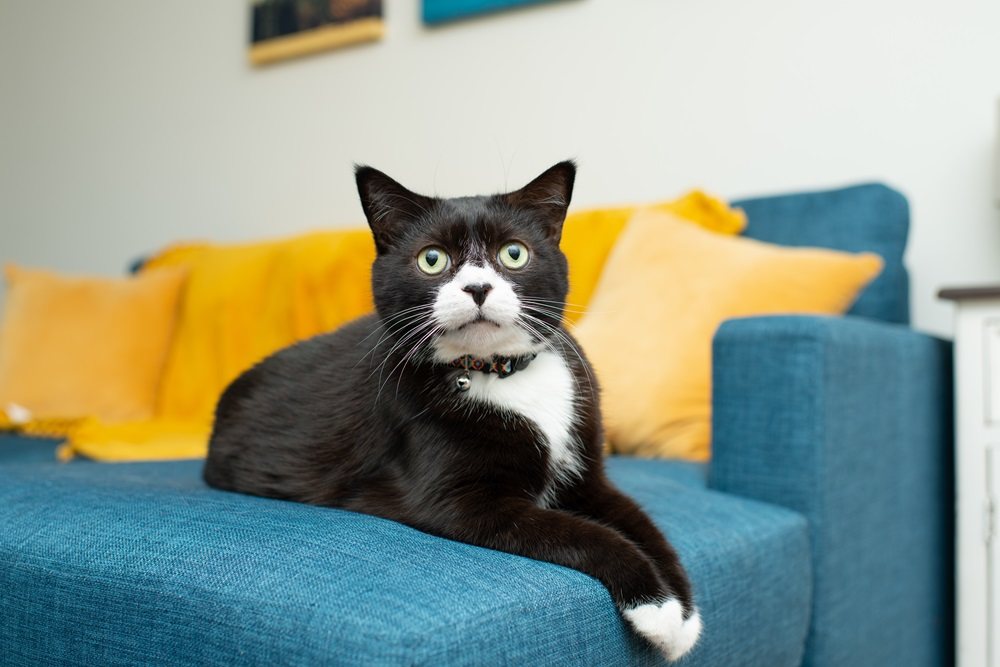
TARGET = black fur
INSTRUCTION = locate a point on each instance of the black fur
(348, 420)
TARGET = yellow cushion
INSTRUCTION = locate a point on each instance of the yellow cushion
(156, 440)
(589, 236)
(74, 346)
(666, 288)
(243, 302)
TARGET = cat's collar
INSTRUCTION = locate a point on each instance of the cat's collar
(501, 366)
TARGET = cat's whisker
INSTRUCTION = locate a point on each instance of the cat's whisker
(399, 325)
(388, 331)
(404, 314)
(396, 328)
(399, 343)
(413, 353)
(408, 336)
(557, 314)
(531, 331)
(556, 302)
(560, 312)
(415, 348)
(555, 308)
(569, 342)
(552, 329)
(544, 310)
(556, 305)
(551, 346)
(399, 314)
(559, 317)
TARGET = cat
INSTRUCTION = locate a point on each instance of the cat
(463, 407)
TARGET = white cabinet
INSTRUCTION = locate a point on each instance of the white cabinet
(977, 467)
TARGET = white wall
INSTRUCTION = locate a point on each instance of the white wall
(125, 125)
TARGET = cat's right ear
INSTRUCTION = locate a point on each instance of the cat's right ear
(548, 197)
(388, 205)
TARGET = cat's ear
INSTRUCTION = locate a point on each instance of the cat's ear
(548, 197)
(388, 206)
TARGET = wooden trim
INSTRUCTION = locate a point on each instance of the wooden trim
(316, 40)
(962, 293)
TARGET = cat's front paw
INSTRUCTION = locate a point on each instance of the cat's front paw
(663, 624)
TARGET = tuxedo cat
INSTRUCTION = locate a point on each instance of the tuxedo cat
(463, 408)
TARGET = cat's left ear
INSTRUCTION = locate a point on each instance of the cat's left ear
(548, 197)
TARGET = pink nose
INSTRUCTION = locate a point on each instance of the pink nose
(478, 291)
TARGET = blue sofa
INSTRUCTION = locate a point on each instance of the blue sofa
(819, 534)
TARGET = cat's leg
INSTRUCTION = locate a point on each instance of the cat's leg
(576, 542)
(607, 505)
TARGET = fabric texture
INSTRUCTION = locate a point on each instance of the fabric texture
(16, 449)
(870, 217)
(848, 422)
(245, 301)
(80, 346)
(666, 288)
(144, 564)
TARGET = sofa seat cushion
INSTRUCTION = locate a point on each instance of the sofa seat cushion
(144, 564)
(638, 473)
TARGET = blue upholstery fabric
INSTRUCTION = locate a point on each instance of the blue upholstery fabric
(868, 217)
(688, 473)
(17, 449)
(143, 564)
(847, 421)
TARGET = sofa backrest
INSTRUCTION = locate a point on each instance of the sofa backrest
(869, 217)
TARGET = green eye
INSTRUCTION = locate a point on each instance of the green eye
(514, 255)
(432, 261)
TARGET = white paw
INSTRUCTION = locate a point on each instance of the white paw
(663, 624)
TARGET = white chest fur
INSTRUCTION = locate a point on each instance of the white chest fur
(544, 394)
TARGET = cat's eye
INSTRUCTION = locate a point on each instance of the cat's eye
(514, 255)
(432, 261)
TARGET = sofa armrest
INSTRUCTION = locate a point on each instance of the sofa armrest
(848, 421)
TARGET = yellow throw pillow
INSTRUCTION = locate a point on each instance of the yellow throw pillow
(589, 236)
(75, 346)
(243, 302)
(665, 289)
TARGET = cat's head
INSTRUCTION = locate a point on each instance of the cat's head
(469, 275)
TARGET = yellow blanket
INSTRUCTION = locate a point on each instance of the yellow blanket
(243, 302)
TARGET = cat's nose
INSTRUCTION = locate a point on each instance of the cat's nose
(478, 291)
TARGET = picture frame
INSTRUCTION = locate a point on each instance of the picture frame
(283, 29)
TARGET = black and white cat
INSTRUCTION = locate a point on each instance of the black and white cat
(462, 408)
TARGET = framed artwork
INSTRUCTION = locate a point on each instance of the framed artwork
(281, 29)
(440, 11)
